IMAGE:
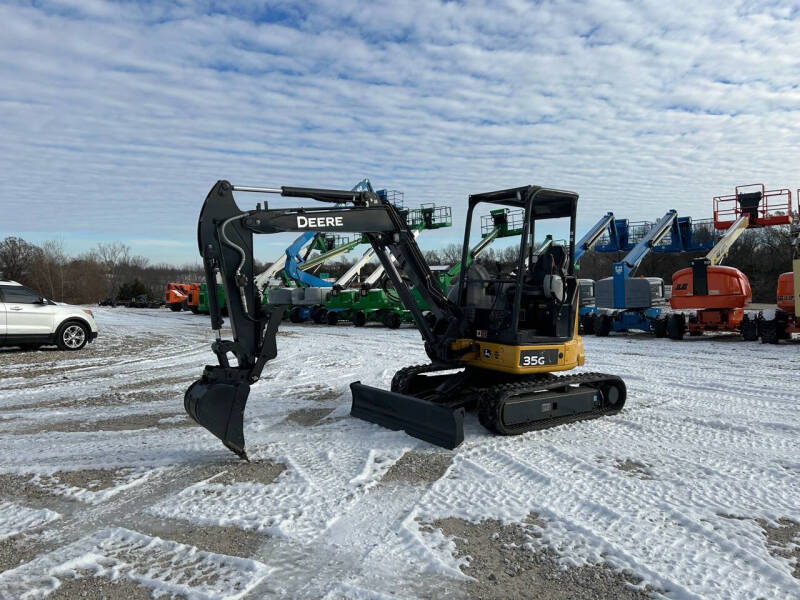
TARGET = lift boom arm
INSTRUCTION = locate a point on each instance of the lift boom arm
(635, 257)
(594, 234)
(722, 247)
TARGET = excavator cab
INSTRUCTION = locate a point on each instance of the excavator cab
(531, 301)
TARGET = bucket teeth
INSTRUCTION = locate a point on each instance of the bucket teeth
(240, 452)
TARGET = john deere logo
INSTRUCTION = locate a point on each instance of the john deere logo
(314, 222)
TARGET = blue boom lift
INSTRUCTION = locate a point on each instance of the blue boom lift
(608, 226)
(617, 235)
(625, 302)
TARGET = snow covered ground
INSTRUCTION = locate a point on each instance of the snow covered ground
(693, 491)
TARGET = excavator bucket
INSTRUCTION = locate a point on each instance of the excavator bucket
(219, 407)
(435, 423)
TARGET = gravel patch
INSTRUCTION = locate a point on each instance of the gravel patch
(308, 417)
(39, 487)
(784, 541)
(634, 468)
(211, 538)
(506, 562)
(49, 360)
(262, 471)
(182, 381)
(418, 467)
(126, 423)
(103, 400)
(100, 588)
(88, 479)
(13, 486)
(317, 393)
(19, 549)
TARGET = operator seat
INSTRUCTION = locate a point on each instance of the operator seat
(546, 279)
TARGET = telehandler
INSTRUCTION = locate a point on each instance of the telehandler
(493, 347)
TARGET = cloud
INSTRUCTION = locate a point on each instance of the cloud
(118, 117)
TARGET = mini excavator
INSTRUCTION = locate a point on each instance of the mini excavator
(494, 343)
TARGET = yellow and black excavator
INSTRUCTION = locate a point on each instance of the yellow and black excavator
(494, 340)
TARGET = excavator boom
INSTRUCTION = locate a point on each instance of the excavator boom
(225, 241)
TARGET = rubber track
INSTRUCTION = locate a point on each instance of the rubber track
(402, 378)
(493, 400)
(473, 387)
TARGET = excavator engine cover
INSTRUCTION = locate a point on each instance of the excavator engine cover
(219, 407)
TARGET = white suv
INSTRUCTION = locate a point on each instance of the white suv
(27, 320)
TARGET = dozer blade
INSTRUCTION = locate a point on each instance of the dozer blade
(435, 423)
(219, 407)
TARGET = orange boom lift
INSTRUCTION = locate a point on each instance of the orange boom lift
(786, 319)
(193, 298)
(176, 296)
(710, 297)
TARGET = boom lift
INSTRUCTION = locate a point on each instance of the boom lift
(783, 322)
(613, 235)
(625, 302)
(494, 347)
(709, 297)
(203, 303)
(309, 293)
(193, 298)
(687, 235)
(362, 304)
(176, 296)
(607, 226)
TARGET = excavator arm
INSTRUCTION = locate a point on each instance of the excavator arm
(225, 240)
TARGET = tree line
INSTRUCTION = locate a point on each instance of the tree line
(111, 270)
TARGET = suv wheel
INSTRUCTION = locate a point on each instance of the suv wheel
(72, 336)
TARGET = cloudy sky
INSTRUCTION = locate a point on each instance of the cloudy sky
(116, 118)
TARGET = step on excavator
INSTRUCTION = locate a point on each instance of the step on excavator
(495, 347)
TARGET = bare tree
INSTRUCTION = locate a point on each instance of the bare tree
(16, 259)
(49, 266)
(114, 256)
